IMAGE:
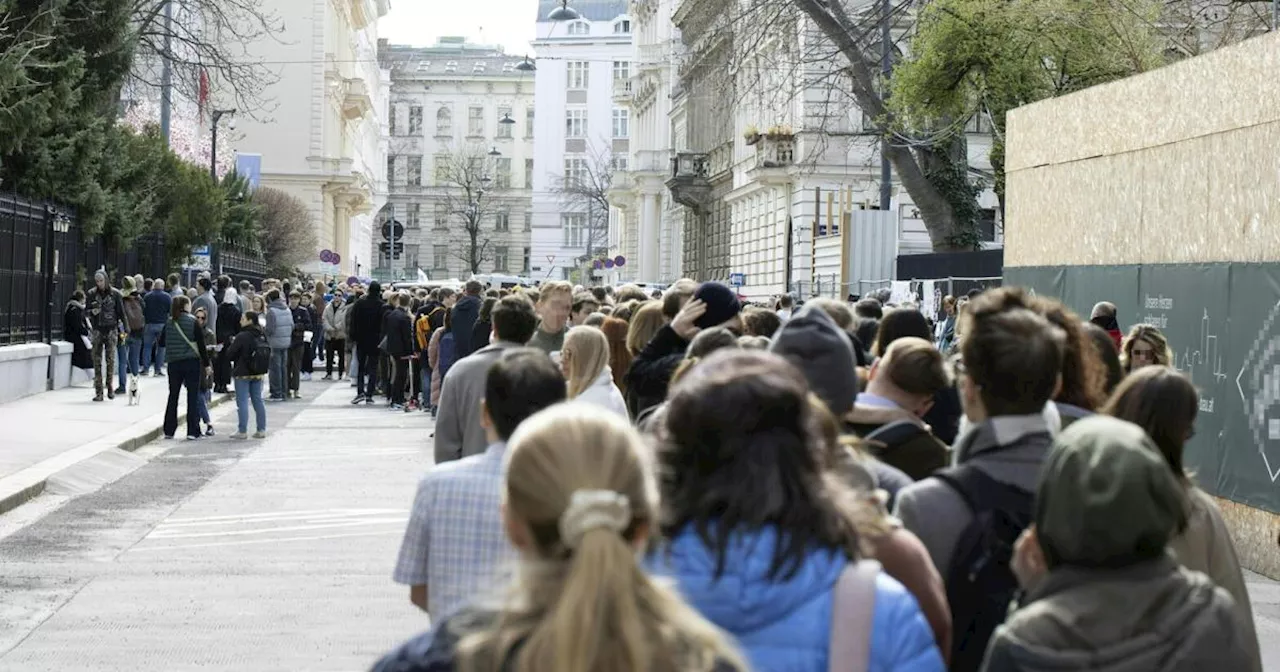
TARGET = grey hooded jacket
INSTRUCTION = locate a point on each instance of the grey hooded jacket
(279, 329)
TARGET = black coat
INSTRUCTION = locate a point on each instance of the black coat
(465, 314)
(241, 349)
(74, 328)
(366, 322)
(228, 322)
(650, 373)
(399, 333)
(301, 324)
(481, 333)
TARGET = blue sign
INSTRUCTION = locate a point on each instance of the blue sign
(737, 279)
(249, 166)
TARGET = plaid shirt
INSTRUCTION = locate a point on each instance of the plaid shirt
(455, 542)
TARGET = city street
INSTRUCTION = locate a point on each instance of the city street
(258, 555)
(270, 555)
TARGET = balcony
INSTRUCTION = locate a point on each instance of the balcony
(775, 151)
(652, 161)
(622, 91)
(689, 183)
(356, 102)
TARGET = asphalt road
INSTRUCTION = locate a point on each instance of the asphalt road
(268, 555)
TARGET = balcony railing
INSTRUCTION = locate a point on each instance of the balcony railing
(775, 152)
(622, 90)
(651, 161)
(689, 183)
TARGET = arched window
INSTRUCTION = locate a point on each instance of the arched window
(444, 122)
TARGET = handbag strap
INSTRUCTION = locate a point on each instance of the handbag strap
(178, 327)
(852, 606)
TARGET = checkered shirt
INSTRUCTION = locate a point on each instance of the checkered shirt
(455, 542)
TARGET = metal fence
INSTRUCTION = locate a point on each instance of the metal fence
(43, 259)
(829, 286)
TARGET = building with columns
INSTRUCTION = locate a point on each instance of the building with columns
(647, 228)
(581, 133)
(458, 100)
(320, 135)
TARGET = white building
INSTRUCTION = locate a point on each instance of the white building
(648, 228)
(771, 153)
(579, 128)
(450, 101)
(320, 138)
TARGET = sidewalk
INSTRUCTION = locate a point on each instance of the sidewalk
(48, 432)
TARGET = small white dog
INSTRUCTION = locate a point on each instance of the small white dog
(135, 397)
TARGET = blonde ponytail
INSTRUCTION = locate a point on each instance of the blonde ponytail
(578, 482)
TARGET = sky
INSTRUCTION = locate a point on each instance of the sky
(509, 23)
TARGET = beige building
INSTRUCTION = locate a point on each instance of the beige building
(320, 136)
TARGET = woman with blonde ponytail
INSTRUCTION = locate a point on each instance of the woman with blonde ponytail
(584, 360)
(580, 505)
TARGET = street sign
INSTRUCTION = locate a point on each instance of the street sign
(335, 258)
(737, 279)
(609, 263)
(389, 231)
(201, 259)
(395, 253)
(249, 166)
(619, 260)
(326, 256)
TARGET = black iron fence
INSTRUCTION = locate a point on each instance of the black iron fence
(43, 259)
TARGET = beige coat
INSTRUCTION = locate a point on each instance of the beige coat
(1206, 547)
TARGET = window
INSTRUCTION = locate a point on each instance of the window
(441, 218)
(622, 27)
(500, 258)
(575, 123)
(528, 124)
(621, 71)
(619, 164)
(528, 226)
(574, 227)
(451, 66)
(502, 222)
(504, 130)
(440, 257)
(503, 170)
(579, 72)
(391, 119)
(478, 67)
(391, 169)
(475, 122)
(415, 120)
(444, 122)
(579, 28)
(575, 170)
(442, 169)
(410, 256)
(525, 266)
(621, 123)
(412, 217)
(528, 173)
(415, 170)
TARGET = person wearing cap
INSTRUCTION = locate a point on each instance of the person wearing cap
(712, 305)
(105, 308)
(1102, 591)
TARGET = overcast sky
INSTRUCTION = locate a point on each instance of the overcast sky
(509, 23)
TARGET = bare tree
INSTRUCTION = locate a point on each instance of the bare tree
(286, 231)
(472, 196)
(586, 191)
(207, 42)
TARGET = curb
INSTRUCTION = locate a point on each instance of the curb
(27, 484)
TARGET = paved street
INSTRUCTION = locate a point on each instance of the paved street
(266, 555)
(271, 555)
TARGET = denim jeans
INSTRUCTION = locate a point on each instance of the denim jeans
(202, 406)
(278, 372)
(248, 391)
(150, 337)
(127, 356)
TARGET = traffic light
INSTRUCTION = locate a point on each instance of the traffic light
(385, 248)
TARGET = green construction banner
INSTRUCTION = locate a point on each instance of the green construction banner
(1223, 325)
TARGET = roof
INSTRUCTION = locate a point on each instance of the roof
(449, 57)
(591, 10)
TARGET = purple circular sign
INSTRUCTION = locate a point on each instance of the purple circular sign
(619, 260)
(608, 263)
(335, 258)
(597, 265)
(325, 255)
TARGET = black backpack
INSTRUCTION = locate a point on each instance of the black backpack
(260, 358)
(105, 302)
(980, 580)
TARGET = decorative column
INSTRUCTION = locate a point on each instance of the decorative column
(342, 231)
(649, 228)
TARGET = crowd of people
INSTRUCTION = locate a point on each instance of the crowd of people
(679, 481)
(682, 482)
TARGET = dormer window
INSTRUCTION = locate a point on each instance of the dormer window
(508, 67)
(622, 27)
(579, 28)
(451, 66)
(423, 66)
(478, 67)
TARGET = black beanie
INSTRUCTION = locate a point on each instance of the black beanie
(722, 304)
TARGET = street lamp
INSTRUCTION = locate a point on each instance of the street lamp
(213, 149)
(526, 65)
(506, 119)
(56, 222)
(564, 13)
(494, 151)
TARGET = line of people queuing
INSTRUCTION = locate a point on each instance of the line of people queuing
(813, 487)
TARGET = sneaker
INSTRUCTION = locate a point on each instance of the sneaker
(359, 398)
(111, 394)
(208, 431)
(306, 377)
(168, 437)
(396, 407)
(327, 377)
(259, 435)
(97, 397)
(192, 438)
(368, 401)
(239, 436)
